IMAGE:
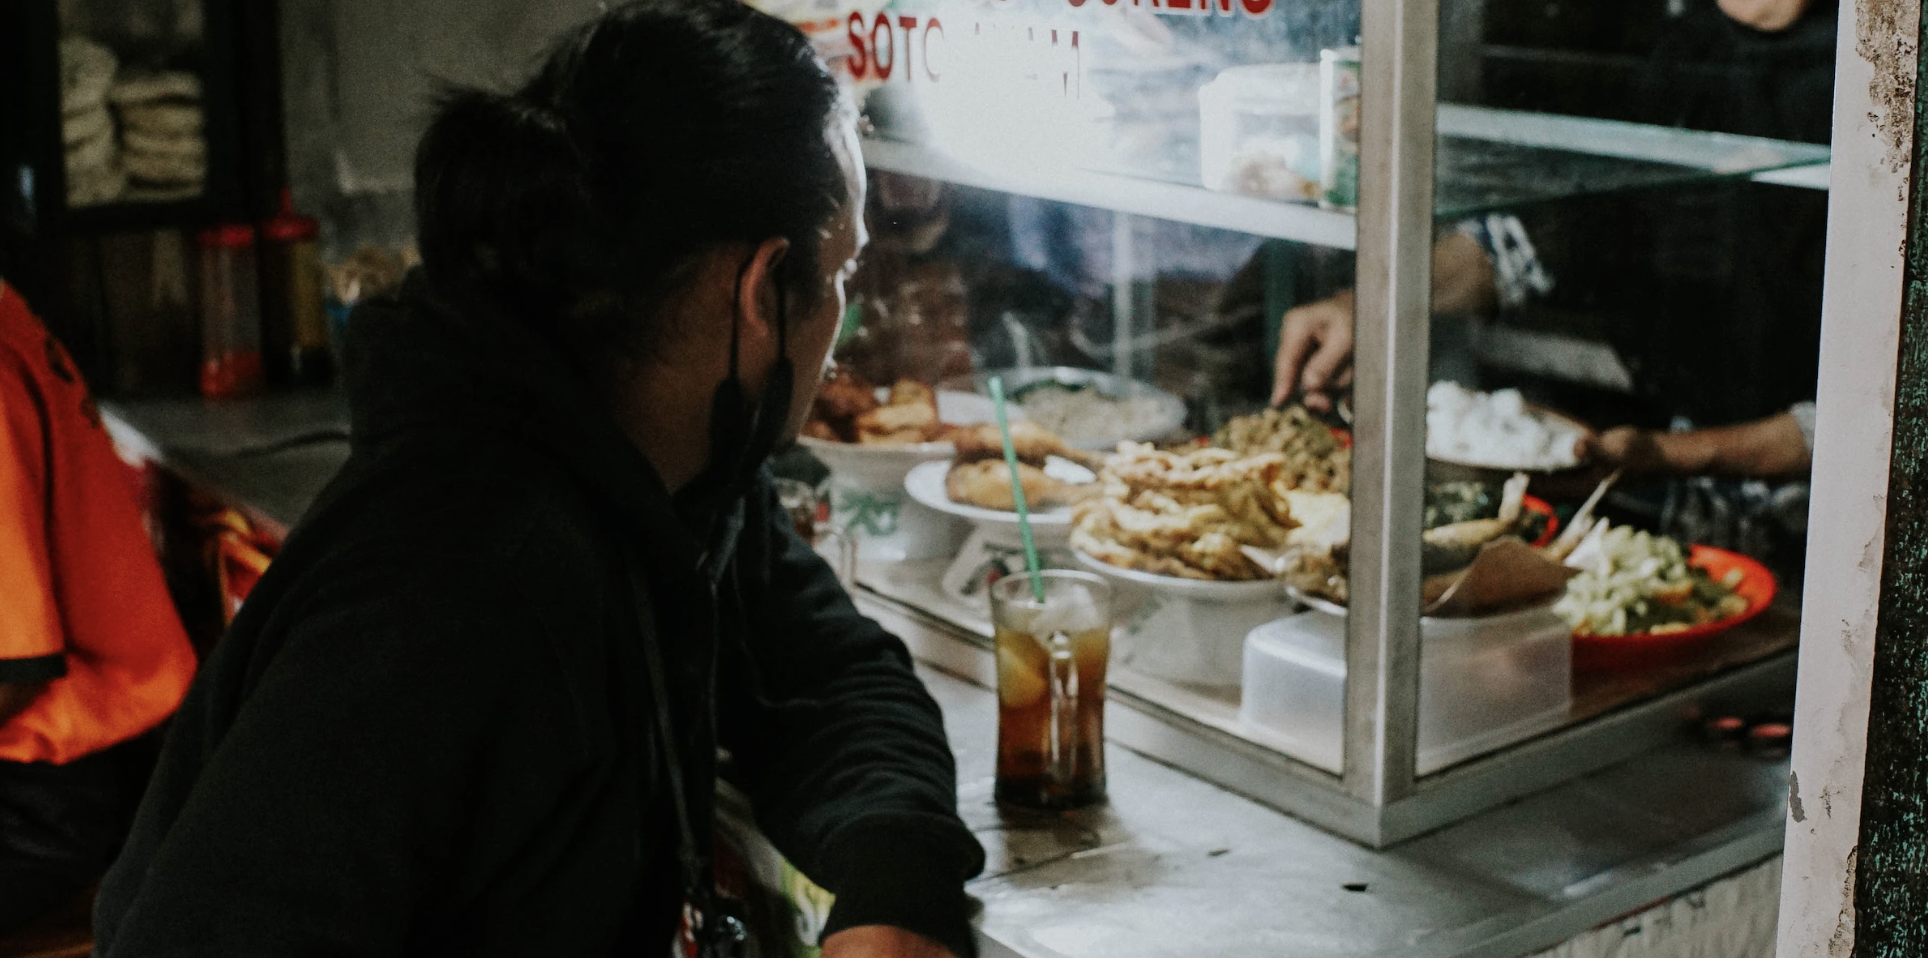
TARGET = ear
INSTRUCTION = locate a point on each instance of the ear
(757, 294)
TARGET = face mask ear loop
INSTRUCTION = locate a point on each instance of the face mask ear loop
(736, 318)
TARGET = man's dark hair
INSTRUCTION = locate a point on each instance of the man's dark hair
(654, 132)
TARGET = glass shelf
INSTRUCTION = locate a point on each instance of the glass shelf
(1488, 160)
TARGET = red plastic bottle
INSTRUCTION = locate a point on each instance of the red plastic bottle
(230, 313)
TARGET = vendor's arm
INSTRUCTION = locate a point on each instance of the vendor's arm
(1767, 16)
(1771, 448)
(845, 754)
(1316, 339)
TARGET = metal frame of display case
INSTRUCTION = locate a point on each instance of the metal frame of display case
(1379, 799)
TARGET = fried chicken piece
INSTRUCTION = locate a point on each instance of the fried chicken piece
(910, 392)
(838, 404)
(908, 419)
(1033, 443)
(986, 483)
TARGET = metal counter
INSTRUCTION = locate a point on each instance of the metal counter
(1175, 865)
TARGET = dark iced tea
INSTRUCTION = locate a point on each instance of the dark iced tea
(1051, 689)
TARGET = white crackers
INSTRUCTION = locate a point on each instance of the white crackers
(157, 150)
(94, 173)
(161, 134)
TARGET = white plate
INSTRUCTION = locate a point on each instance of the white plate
(1261, 590)
(925, 483)
(883, 468)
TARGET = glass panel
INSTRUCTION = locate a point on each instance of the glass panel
(133, 125)
(1111, 206)
(1620, 254)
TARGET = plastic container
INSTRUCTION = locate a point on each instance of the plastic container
(295, 325)
(1339, 127)
(230, 313)
(1483, 684)
(1259, 131)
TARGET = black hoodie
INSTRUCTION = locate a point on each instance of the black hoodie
(427, 731)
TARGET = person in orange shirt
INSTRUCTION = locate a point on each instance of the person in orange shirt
(92, 652)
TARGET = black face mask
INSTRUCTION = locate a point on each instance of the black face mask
(742, 438)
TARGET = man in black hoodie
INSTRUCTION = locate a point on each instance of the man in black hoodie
(552, 579)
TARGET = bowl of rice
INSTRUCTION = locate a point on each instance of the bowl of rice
(1089, 409)
(1498, 432)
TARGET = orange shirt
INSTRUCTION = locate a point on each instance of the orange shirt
(82, 602)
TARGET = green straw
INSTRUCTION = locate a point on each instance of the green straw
(1017, 491)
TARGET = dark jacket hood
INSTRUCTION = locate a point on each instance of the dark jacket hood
(425, 359)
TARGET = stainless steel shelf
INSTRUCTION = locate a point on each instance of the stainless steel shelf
(1489, 160)
(1126, 194)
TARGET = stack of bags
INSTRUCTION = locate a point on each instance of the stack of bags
(94, 171)
(162, 145)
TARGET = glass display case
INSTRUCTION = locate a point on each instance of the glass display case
(1360, 608)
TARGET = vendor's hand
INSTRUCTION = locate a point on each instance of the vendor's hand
(882, 941)
(1315, 352)
(1767, 16)
(1637, 451)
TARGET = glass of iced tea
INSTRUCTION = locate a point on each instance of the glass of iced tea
(1051, 659)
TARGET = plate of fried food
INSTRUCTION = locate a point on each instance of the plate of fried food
(872, 436)
(976, 483)
(1317, 457)
(1180, 521)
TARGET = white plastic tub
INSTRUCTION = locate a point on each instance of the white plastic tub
(1483, 684)
(1259, 131)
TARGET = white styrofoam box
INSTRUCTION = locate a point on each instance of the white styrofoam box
(1483, 684)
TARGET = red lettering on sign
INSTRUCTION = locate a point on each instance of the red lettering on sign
(1256, 8)
(1179, 4)
(930, 25)
(909, 24)
(860, 63)
(884, 67)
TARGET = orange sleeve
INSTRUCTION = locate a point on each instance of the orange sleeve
(31, 637)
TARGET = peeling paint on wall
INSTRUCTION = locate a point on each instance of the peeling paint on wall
(1841, 945)
(1890, 875)
(1884, 44)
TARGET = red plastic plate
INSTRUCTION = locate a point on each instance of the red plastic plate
(1757, 586)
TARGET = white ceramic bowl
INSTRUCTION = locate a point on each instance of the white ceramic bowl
(1188, 630)
(1171, 408)
(1202, 590)
(875, 468)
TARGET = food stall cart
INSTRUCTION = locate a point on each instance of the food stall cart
(1051, 214)
(1674, 848)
